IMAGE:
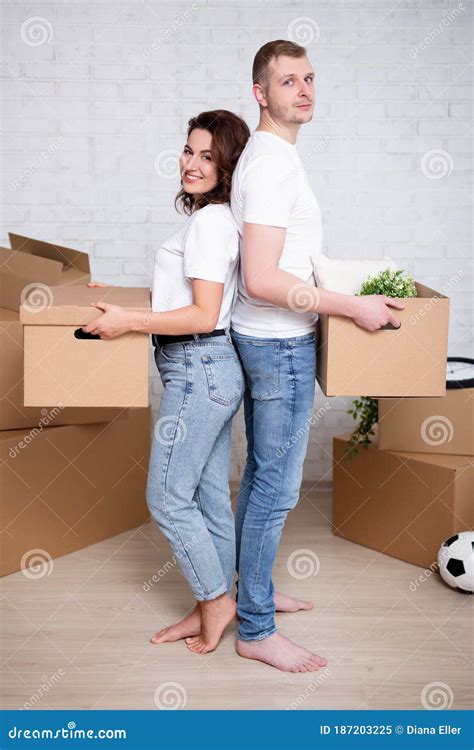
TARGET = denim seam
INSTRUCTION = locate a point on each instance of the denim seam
(198, 499)
(209, 596)
(261, 637)
(302, 339)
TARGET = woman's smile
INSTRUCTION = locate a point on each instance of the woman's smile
(187, 177)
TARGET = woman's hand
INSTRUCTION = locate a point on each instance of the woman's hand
(114, 322)
(96, 283)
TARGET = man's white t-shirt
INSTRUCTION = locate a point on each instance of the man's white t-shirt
(270, 187)
(206, 246)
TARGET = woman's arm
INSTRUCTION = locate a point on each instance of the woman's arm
(200, 317)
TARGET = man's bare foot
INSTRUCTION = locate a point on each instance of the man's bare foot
(280, 652)
(284, 603)
(188, 626)
(215, 616)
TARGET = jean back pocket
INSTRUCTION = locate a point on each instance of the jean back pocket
(225, 380)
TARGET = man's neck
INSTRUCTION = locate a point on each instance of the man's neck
(287, 131)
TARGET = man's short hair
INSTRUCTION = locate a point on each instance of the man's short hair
(261, 68)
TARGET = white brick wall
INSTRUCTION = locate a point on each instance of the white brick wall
(117, 83)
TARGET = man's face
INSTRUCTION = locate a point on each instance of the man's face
(290, 93)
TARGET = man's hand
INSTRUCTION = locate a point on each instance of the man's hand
(373, 311)
(113, 323)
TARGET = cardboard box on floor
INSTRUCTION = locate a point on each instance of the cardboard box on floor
(35, 262)
(62, 368)
(408, 361)
(401, 503)
(68, 487)
(428, 425)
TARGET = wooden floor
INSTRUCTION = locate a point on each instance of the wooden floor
(78, 638)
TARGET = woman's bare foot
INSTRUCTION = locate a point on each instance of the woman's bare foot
(284, 603)
(188, 626)
(215, 616)
(280, 652)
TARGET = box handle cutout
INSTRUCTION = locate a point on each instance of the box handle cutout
(80, 334)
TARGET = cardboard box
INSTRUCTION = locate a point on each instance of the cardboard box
(61, 368)
(67, 487)
(13, 414)
(428, 425)
(33, 261)
(400, 503)
(408, 361)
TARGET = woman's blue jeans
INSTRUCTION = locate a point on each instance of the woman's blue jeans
(188, 481)
(279, 398)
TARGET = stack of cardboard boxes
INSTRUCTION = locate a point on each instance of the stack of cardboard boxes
(413, 487)
(71, 472)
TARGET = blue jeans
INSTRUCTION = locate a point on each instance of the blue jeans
(188, 481)
(280, 386)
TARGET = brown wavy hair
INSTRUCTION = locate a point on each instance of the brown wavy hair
(229, 136)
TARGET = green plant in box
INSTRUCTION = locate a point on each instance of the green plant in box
(391, 284)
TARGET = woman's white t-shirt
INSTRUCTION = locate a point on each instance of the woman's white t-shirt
(206, 246)
(270, 187)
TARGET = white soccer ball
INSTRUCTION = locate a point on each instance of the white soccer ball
(456, 561)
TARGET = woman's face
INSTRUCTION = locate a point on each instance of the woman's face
(197, 167)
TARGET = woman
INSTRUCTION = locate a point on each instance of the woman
(194, 283)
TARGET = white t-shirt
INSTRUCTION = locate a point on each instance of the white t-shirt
(270, 187)
(206, 246)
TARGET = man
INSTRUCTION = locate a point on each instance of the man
(273, 329)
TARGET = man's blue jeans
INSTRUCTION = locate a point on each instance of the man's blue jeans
(280, 385)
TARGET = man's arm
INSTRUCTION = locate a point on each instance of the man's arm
(261, 250)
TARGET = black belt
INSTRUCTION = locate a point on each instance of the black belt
(160, 340)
